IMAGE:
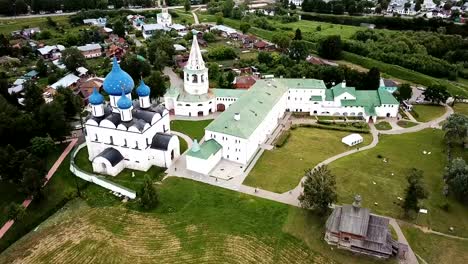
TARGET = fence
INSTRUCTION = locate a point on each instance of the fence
(97, 179)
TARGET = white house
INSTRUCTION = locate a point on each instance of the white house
(296, 2)
(65, 82)
(352, 139)
(126, 133)
(99, 22)
(164, 18)
(90, 50)
(149, 29)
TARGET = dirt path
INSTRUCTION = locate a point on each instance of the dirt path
(49, 175)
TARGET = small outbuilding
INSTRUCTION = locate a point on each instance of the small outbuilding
(352, 139)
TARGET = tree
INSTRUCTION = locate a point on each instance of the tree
(372, 81)
(404, 92)
(415, 191)
(213, 71)
(41, 67)
(417, 6)
(228, 5)
(32, 182)
(230, 79)
(436, 93)
(219, 18)
(244, 27)
(319, 189)
(281, 40)
(330, 47)
(209, 37)
(456, 177)
(148, 197)
(119, 28)
(292, 6)
(72, 58)
(71, 103)
(33, 98)
(15, 211)
(52, 118)
(160, 50)
(299, 50)
(187, 5)
(157, 84)
(456, 128)
(298, 34)
(42, 146)
(135, 67)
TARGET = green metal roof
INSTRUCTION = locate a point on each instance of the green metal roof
(172, 92)
(386, 97)
(236, 93)
(303, 83)
(206, 149)
(339, 90)
(252, 107)
(316, 98)
(329, 95)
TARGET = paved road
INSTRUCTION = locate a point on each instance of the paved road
(175, 80)
(49, 175)
(410, 256)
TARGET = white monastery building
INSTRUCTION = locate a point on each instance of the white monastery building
(125, 133)
(164, 18)
(250, 116)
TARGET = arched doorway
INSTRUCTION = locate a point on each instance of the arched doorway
(104, 168)
(172, 155)
(220, 107)
(388, 114)
(371, 120)
(200, 113)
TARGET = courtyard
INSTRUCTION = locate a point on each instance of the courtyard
(281, 169)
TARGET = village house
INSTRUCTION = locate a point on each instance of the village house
(149, 29)
(354, 228)
(225, 31)
(67, 81)
(99, 22)
(25, 33)
(90, 50)
(115, 51)
(84, 88)
(244, 82)
(137, 21)
(51, 52)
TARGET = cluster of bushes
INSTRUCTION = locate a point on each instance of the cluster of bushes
(394, 23)
(282, 139)
(358, 125)
(222, 53)
(259, 22)
(332, 127)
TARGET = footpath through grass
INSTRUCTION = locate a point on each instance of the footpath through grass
(280, 170)
(434, 248)
(193, 129)
(426, 113)
(194, 223)
(357, 173)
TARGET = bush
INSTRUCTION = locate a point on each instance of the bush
(347, 129)
(222, 53)
(282, 139)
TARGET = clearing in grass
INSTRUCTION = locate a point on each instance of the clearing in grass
(304, 149)
(193, 129)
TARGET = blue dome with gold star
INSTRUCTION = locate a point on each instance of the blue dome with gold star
(96, 98)
(143, 89)
(118, 80)
(124, 102)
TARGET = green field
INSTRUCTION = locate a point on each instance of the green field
(402, 152)
(305, 148)
(193, 129)
(194, 223)
(9, 25)
(461, 108)
(383, 125)
(426, 113)
(434, 248)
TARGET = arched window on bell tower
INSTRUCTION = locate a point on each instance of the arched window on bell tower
(194, 78)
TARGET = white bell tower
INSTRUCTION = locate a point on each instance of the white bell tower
(195, 73)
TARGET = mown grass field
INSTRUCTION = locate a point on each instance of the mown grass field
(305, 148)
(357, 173)
(194, 223)
(426, 113)
(193, 129)
(9, 25)
(461, 108)
(434, 248)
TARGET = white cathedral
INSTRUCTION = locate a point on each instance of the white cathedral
(126, 133)
(249, 117)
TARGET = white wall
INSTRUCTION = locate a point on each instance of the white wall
(385, 109)
(203, 166)
(192, 109)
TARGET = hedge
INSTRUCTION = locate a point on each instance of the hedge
(347, 129)
(282, 139)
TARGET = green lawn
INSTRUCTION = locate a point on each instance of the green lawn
(194, 223)
(305, 148)
(434, 248)
(357, 173)
(406, 124)
(183, 145)
(193, 129)
(461, 108)
(383, 125)
(426, 113)
(9, 25)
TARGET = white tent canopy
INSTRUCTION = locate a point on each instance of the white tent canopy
(352, 139)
